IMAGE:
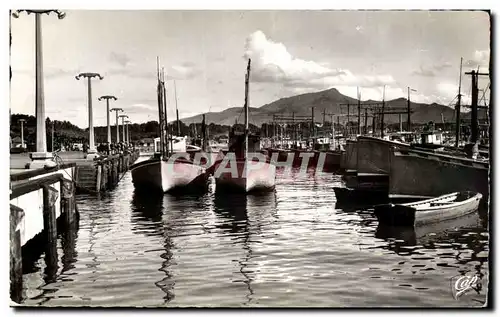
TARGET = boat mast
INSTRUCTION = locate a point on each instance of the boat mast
(177, 111)
(164, 93)
(359, 111)
(204, 135)
(247, 79)
(457, 107)
(160, 108)
(382, 115)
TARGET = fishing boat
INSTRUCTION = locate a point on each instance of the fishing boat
(168, 171)
(201, 152)
(240, 170)
(428, 211)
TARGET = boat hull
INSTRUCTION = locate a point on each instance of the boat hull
(359, 196)
(426, 212)
(244, 180)
(167, 176)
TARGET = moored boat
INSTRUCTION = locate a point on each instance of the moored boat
(169, 175)
(168, 171)
(245, 168)
(427, 211)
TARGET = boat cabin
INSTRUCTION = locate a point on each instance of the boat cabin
(177, 143)
(237, 143)
(431, 137)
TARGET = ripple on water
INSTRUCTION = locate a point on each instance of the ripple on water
(289, 248)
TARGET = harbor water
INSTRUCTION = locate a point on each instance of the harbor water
(293, 248)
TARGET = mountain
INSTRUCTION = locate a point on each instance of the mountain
(331, 101)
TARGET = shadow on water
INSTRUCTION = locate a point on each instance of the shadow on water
(463, 240)
(38, 248)
(241, 216)
(155, 215)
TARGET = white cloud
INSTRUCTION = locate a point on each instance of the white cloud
(184, 71)
(143, 106)
(271, 62)
(481, 59)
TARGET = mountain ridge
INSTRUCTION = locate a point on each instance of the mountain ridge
(330, 101)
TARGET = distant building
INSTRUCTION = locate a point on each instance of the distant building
(146, 145)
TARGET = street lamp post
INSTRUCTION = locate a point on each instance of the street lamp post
(92, 152)
(116, 110)
(123, 116)
(107, 98)
(41, 157)
(128, 134)
(22, 132)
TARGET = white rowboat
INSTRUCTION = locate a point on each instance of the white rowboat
(427, 211)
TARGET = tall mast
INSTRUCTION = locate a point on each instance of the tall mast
(458, 107)
(204, 135)
(166, 117)
(247, 79)
(408, 111)
(359, 112)
(177, 111)
(382, 115)
(164, 90)
(160, 108)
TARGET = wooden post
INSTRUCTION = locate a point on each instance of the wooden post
(50, 226)
(366, 121)
(67, 202)
(110, 174)
(16, 268)
(99, 176)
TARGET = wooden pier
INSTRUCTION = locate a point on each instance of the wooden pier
(42, 205)
(38, 199)
(103, 174)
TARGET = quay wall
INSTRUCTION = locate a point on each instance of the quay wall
(418, 173)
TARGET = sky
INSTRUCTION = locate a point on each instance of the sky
(205, 53)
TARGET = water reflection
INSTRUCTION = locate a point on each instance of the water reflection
(279, 249)
(148, 218)
(457, 243)
(68, 244)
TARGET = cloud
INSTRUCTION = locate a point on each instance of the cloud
(423, 72)
(119, 58)
(143, 106)
(480, 59)
(272, 63)
(186, 70)
(431, 71)
(131, 73)
(447, 93)
(48, 72)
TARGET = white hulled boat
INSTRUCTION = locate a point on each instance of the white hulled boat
(245, 168)
(168, 171)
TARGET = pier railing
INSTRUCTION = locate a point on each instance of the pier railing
(104, 173)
